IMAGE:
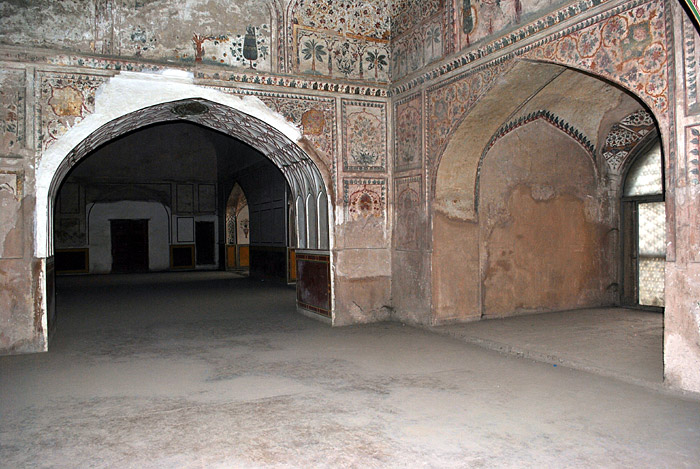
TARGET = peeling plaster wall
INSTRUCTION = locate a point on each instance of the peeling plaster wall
(543, 236)
(197, 30)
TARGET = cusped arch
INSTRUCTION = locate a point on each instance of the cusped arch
(472, 131)
(540, 115)
(454, 174)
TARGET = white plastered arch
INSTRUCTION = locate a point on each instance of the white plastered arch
(131, 92)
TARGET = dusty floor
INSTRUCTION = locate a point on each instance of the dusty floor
(175, 370)
(623, 343)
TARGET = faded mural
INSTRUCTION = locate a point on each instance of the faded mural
(12, 110)
(409, 212)
(408, 113)
(12, 228)
(65, 99)
(364, 198)
(218, 32)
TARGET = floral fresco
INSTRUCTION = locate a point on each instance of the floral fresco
(343, 39)
(408, 211)
(64, 100)
(358, 17)
(249, 50)
(364, 198)
(325, 53)
(408, 133)
(364, 136)
(628, 48)
(416, 49)
(12, 102)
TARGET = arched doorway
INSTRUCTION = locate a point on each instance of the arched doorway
(643, 217)
(237, 230)
(245, 119)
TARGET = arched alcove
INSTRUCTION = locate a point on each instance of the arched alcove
(541, 234)
(564, 106)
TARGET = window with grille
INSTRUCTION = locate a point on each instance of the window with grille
(643, 193)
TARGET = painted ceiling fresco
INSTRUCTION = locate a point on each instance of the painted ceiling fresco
(212, 31)
(376, 41)
(359, 17)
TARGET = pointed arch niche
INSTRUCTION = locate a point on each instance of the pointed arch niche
(522, 185)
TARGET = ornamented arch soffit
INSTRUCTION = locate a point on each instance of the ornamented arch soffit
(298, 168)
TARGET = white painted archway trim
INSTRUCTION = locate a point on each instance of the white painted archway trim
(122, 95)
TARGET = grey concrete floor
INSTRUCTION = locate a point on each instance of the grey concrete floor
(623, 343)
(182, 370)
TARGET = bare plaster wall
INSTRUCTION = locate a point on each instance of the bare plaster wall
(455, 270)
(544, 244)
(542, 239)
(100, 235)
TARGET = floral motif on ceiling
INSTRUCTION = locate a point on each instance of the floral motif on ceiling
(628, 48)
(359, 17)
